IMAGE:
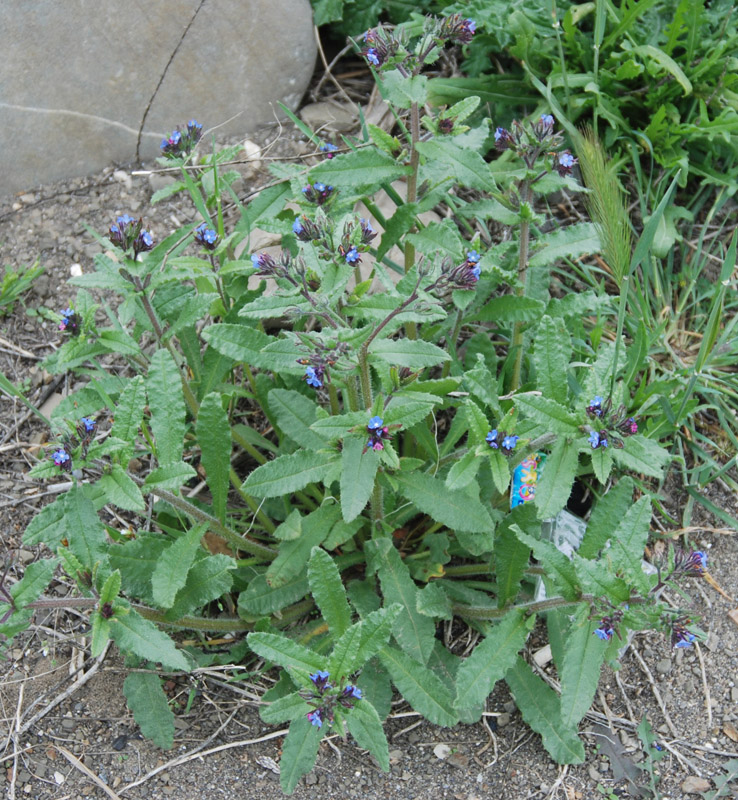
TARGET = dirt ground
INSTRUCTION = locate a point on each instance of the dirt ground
(65, 731)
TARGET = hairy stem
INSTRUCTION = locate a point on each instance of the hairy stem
(517, 338)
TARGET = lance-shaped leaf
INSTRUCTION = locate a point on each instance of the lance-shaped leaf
(120, 489)
(551, 359)
(548, 412)
(456, 509)
(365, 726)
(166, 403)
(133, 633)
(422, 688)
(491, 659)
(150, 707)
(608, 511)
(285, 652)
(559, 570)
(568, 242)
(288, 473)
(629, 540)
(284, 708)
(358, 470)
(580, 673)
(239, 342)
(555, 482)
(375, 631)
(410, 353)
(129, 412)
(362, 168)
(343, 658)
(210, 578)
(85, 531)
(295, 413)
(214, 436)
(642, 455)
(172, 566)
(413, 631)
(540, 708)
(48, 526)
(35, 579)
(299, 752)
(327, 590)
(260, 598)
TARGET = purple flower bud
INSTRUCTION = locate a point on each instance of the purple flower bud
(328, 148)
(503, 138)
(352, 691)
(264, 263)
(680, 636)
(491, 440)
(594, 409)
(547, 121)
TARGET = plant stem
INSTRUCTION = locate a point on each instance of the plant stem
(365, 378)
(517, 339)
(534, 607)
(216, 526)
(333, 398)
(452, 343)
(251, 502)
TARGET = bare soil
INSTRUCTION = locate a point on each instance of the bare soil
(88, 745)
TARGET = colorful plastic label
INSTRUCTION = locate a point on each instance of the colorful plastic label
(525, 479)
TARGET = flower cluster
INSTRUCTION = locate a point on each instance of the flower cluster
(381, 45)
(329, 149)
(507, 444)
(319, 362)
(70, 321)
(127, 233)
(681, 636)
(455, 29)
(535, 139)
(267, 267)
(690, 563)
(182, 142)
(317, 193)
(565, 162)
(324, 697)
(85, 433)
(609, 624)
(609, 421)
(205, 236)
(378, 434)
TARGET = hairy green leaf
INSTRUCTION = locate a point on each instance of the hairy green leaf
(129, 413)
(288, 473)
(285, 652)
(358, 470)
(551, 358)
(35, 579)
(170, 573)
(556, 480)
(327, 589)
(121, 490)
(365, 726)
(540, 708)
(411, 353)
(422, 688)
(85, 532)
(166, 403)
(295, 413)
(491, 659)
(548, 412)
(299, 752)
(214, 436)
(456, 509)
(150, 708)
(132, 633)
(361, 169)
(611, 508)
(48, 526)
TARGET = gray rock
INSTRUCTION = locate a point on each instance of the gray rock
(78, 78)
(664, 666)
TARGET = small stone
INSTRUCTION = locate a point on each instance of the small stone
(24, 776)
(27, 199)
(593, 773)
(734, 694)
(311, 779)
(695, 785)
(25, 556)
(664, 666)
(69, 724)
(503, 719)
(509, 706)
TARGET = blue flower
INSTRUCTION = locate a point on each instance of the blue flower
(328, 148)
(352, 691)
(491, 439)
(320, 679)
(315, 718)
(594, 439)
(352, 256)
(312, 377)
(62, 459)
(371, 56)
(89, 424)
(147, 240)
(319, 187)
(680, 636)
(508, 443)
(375, 423)
(297, 227)
(547, 121)
(473, 257)
(567, 160)
(604, 633)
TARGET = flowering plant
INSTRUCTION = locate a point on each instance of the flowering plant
(350, 435)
